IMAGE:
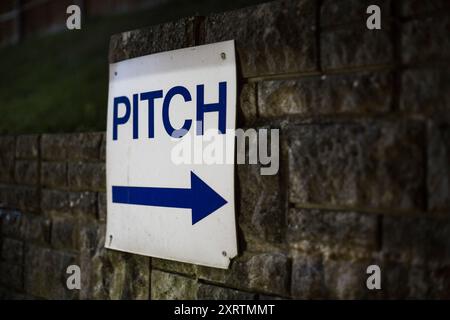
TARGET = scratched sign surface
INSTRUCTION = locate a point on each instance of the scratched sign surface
(170, 154)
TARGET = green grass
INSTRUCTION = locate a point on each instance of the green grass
(59, 82)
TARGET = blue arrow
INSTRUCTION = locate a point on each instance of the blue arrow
(200, 197)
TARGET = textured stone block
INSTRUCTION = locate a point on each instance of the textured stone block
(45, 273)
(174, 266)
(35, 229)
(362, 93)
(352, 11)
(265, 272)
(439, 283)
(55, 201)
(272, 38)
(10, 223)
(11, 251)
(12, 276)
(318, 277)
(346, 279)
(83, 203)
(426, 40)
(168, 286)
(376, 165)
(417, 239)
(209, 292)
(102, 202)
(308, 277)
(418, 7)
(438, 167)
(247, 112)
(84, 146)
(426, 91)
(24, 198)
(355, 47)
(54, 146)
(65, 233)
(110, 274)
(163, 37)
(87, 176)
(27, 146)
(332, 228)
(404, 281)
(54, 174)
(7, 156)
(262, 213)
(103, 147)
(27, 172)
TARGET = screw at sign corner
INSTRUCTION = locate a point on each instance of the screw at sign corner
(223, 55)
(110, 239)
(224, 253)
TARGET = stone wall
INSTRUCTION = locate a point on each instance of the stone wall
(364, 173)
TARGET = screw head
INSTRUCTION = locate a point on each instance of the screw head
(224, 253)
(223, 55)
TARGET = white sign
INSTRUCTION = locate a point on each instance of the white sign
(163, 109)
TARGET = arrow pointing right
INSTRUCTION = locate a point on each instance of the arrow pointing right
(200, 198)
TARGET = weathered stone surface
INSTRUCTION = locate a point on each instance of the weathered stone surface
(103, 147)
(35, 229)
(439, 283)
(27, 146)
(332, 228)
(417, 239)
(101, 206)
(26, 172)
(355, 47)
(10, 223)
(84, 146)
(83, 203)
(438, 169)
(54, 174)
(11, 251)
(27, 227)
(65, 233)
(308, 277)
(54, 146)
(110, 274)
(419, 7)
(352, 11)
(7, 156)
(262, 214)
(87, 176)
(55, 201)
(247, 112)
(163, 37)
(362, 93)
(426, 91)
(370, 164)
(266, 272)
(404, 281)
(45, 273)
(168, 286)
(12, 275)
(209, 292)
(426, 40)
(314, 276)
(174, 266)
(346, 279)
(20, 197)
(271, 38)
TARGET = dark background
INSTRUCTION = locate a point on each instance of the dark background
(56, 80)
